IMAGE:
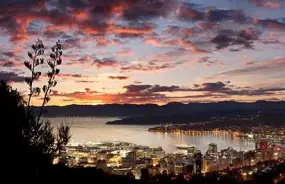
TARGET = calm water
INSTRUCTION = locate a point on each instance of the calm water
(94, 129)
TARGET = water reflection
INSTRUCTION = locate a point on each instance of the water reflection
(94, 129)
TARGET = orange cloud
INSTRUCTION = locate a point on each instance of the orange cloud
(126, 52)
(146, 28)
(158, 42)
(154, 41)
(103, 41)
(192, 47)
(80, 15)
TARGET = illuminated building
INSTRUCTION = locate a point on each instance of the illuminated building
(191, 150)
(213, 150)
(186, 149)
(198, 162)
(262, 145)
(178, 168)
(129, 160)
(159, 152)
(208, 163)
(275, 152)
(170, 167)
(163, 164)
(155, 161)
(121, 170)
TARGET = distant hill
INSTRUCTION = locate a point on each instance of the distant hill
(190, 109)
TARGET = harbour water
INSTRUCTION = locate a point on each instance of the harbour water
(95, 129)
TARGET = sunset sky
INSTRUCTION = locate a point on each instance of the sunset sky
(150, 51)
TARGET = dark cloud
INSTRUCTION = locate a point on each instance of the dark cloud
(227, 89)
(257, 92)
(10, 64)
(211, 87)
(8, 54)
(106, 62)
(137, 82)
(136, 88)
(119, 77)
(227, 38)
(11, 77)
(72, 43)
(182, 32)
(190, 12)
(54, 34)
(146, 10)
(158, 88)
(153, 88)
(188, 32)
(65, 75)
(270, 24)
(86, 81)
(217, 15)
(74, 4)
(7, 64)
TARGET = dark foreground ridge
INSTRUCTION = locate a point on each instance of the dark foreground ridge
(62, 174)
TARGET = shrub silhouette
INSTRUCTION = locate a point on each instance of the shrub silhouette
(30, 143)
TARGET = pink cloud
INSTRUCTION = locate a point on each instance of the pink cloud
(126, 52)
(266, 3)
(247, 63)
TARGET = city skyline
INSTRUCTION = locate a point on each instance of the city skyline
(150, 51)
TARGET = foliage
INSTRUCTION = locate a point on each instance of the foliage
(31, 141)
(39, 133)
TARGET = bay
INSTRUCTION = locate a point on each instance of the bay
(94, 129)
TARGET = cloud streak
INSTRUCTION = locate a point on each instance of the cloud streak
(142, 93)
(11, 77)
(118, 77)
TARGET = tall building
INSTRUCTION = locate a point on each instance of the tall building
(191, 150)
(198, 162)
(208, 163)
(212, 150)
(263, 147)
(130, 159)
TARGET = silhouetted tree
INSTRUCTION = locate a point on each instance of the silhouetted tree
(39, 133)
(31, 143)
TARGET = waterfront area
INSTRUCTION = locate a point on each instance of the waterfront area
(121, 158)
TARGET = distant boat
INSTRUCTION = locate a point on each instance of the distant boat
(184, 146)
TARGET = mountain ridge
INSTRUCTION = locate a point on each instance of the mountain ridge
(124, 110)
